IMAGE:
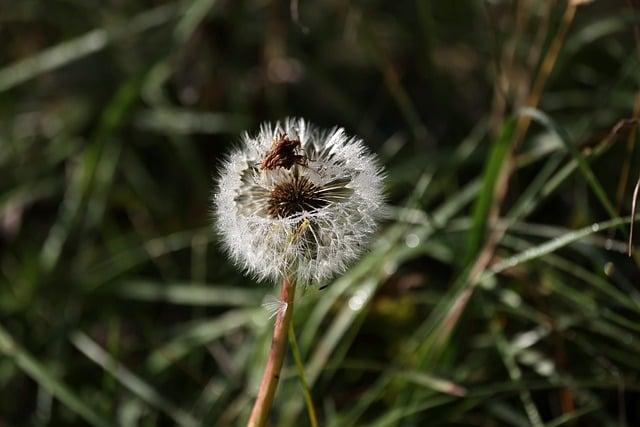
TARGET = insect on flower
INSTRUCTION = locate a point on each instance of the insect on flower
(283, 153)
(297, 201)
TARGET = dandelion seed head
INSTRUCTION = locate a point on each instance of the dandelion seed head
(307, 215)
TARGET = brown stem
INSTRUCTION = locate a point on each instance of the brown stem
(271, 375)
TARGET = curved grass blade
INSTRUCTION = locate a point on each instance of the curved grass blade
(199, 334)
(507, 354)
(583, 165)
(74, 49)
(110, 268)
(552, 246)
(633, 215)
(45, 379)
(131, 381)
(91, 178)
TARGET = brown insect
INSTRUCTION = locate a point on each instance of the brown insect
(283, 154)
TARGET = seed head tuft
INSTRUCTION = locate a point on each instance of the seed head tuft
(297, 200)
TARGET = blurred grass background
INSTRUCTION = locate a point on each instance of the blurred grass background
(497, 294)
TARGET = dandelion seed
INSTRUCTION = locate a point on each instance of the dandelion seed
(298, 201)
(274, 306)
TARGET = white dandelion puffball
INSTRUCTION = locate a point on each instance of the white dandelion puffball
(297, 201)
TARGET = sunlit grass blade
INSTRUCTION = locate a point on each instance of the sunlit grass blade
(194, 13)
(552, 246)
(74, 49)
(603, 286)
(188, 293)
(634, 202)
(515, 373)
(186, 122)
(493, 168)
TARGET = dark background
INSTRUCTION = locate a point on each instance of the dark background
(478, 303)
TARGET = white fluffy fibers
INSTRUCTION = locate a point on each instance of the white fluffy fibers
(308, 212)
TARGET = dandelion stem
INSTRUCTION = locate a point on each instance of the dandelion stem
(271, 375)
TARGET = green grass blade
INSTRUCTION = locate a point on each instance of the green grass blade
(87, 44)
(135, 384)
(584, 167)
(297, 357)
(187, 293)
(493, 168)
(552, 246)
(41, 375)
(197, 335)
(185, 122)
